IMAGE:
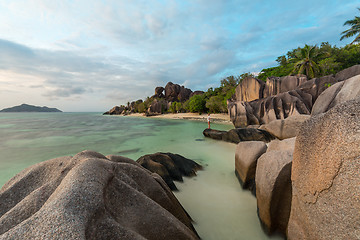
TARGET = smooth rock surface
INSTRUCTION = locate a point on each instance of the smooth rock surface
(246, 156)
(239, 134)
(285, 128)
(273, 190)
(325, 176)
(90, 196)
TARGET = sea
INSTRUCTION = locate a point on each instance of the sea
(214, 199)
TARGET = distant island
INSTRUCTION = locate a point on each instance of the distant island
(29, 108)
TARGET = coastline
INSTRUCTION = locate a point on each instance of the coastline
(222, 118)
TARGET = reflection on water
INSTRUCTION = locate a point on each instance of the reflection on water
(214, 199)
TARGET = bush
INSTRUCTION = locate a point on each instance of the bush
(197, 104)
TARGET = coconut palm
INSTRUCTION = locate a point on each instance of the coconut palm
(353, 30)
(304, 61)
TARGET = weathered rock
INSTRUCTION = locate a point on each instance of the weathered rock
(239, 134)
(336, 94)
(157, 107)
(276, 85)
(89, 196)
(249, 89)
(159, 92)
(282, 145)
(171, 167)
(273, 190)
(347, 73)
(325, 176)
(246, 156)
(115, 110)
(176, 93)
(285, 128)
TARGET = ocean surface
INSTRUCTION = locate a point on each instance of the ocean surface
(214, 199)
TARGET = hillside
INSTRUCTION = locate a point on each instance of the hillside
(29, 108)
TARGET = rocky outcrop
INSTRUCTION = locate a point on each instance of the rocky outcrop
(159, 92)
(196, 93)
(273, 185)
(176, 93)
(246, 156)
(115, 110)
(285, 128)
(157, 107)
(276, 85)
(249, 89)
(239, 134)
(336, 94)
(90, 196)
(325, 176)
(299, 100)
(171, 167)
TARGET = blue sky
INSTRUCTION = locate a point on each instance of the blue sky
(90, 55)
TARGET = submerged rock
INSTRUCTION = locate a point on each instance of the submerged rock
(90, 196)
(171, 167)
(325, 176)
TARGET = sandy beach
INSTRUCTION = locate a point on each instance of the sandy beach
(218, 117)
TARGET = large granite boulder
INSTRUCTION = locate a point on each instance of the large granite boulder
(273, 190)
(282, 145)
(246, 156)
(249, 89)
(90, 196)
(158, 106)
(176, 93)
(276, 85)
(347, 73)
(264, 107)
(159, 92)
(196, 93)
(285, 128)
(336, 94)
(239, 134)
(171, 167)
(115, 110)
(325, 176)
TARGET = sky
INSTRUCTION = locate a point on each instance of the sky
(90, 55)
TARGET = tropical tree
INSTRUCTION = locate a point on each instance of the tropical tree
(304, 61)
(353, 30)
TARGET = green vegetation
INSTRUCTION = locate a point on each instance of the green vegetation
(314, 61)
(353, 30)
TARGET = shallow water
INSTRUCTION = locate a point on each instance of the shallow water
(214, 198)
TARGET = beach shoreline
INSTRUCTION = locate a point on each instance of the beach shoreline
(222, 118)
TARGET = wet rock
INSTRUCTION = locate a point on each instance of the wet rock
(90, 196)
(171, 167)
(325, 176)
(239, 134)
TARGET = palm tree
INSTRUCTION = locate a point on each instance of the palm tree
(353, 30)
(304, 61)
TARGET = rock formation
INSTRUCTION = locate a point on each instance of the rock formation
(29, 108)
(239, 134)
(246, 156)
(325, 176)
(285, 128)
(90, 196)
(336, 94)
(171, 167)
(294, 95)
(176, 93)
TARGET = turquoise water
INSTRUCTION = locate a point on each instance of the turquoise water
(214, 199)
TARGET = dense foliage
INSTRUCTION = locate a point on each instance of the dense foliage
(314, 61)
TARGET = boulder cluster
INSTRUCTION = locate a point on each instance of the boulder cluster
(257, 102)
(306, 181)
(90, 196)
(159, 102)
